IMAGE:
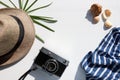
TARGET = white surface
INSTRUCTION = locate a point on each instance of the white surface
(74, 36)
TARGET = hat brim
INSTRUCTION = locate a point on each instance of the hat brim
(29, 35)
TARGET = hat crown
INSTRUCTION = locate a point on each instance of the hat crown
(9, 33)
(18, 30)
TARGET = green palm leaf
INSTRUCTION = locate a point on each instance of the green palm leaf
(31, 5)
(13, 4)
(43, 25)
(20, 4)
(43, 19)
(40, 39)
(25, 4)
(4, 4)
(39, 8)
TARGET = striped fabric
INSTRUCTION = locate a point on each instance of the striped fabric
(104, 62)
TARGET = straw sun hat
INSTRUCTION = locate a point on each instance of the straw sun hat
(16, 35)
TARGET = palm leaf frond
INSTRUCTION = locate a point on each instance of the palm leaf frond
(46, 17)
(31, 5)
(39, 8)
(43, 19)
(20, 4)
(43, 25)
(25, 4)
(40, 39)
(12, 3)
(4, 4)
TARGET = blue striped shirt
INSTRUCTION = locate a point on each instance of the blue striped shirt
(104, 62)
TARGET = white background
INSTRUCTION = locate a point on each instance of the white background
(73, 38)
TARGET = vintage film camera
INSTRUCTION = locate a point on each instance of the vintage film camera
(51, 62)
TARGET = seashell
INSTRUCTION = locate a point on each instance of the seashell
(96, 19)
(108, 24)
(107, 13)
(96, 9)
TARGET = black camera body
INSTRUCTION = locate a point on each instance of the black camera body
(51, 62)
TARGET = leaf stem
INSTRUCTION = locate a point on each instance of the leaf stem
(39, 8)
(31, 5)
(39, 38)
(4, 4)
(46, 17)
(13, 4)
(43, 19)
(20, 4)
(43, 25)
(25, 4)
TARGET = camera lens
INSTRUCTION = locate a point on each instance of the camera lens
(51, 65)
